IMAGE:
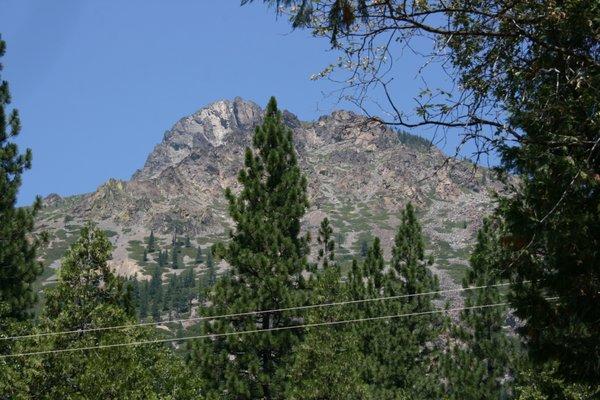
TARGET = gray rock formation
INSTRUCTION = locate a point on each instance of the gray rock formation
(360, 174)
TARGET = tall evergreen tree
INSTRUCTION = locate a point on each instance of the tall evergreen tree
(18, 265)
(414, 368)
(367, 281)
(151, 242)
(163, 258)
(143, 299)
(408, 259)
(155, 292)
(326, 244)
(211, 271)
(364, 248)
(399, 352)
(267, 255)
(552, 234)
(326, 361)
(175, 255)
(88, 295)
(481, 360)
(199, 258)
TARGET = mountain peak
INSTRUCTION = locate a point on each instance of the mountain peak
(360, 174)
(215, 122)
(208, 128)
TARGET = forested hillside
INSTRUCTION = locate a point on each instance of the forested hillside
(258, 256)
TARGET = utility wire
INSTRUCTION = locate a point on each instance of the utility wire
(247, 313)
(224, 334)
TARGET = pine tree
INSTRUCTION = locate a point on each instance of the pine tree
(163, 256)
(175, 255)
(155, 292)
(267, 255)
(411, 371)
(326, 244)
(18, 265)
(327, 359)
(155, 310)
(210, 270)
(88, 295)
(169, 293)
(340, 240)
(408, 260)
(199, 257)
(482, 355)
(364, 248)
(143, 299)
(151, 243)
(145, 256)
(368, 281)
(398, 352)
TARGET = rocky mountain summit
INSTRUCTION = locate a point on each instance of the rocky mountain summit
(360, 175)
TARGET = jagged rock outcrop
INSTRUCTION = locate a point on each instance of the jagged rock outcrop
(360, 174)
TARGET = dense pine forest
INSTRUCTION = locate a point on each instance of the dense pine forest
(270, 317)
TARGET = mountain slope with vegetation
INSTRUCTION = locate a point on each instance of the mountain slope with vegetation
(360, 174)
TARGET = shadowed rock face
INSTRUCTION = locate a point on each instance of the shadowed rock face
(360, 174)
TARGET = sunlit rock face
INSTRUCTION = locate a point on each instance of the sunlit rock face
(360, 175)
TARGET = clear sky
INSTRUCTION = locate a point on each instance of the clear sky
(98, 82)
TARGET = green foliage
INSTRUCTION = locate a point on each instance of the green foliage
(328, 360)
(211, 270)
(326, 244)
(85, 280)
(18, 248)
(552, 237)
(364, 248)
(400, 352)
(155, 292)
(135, 249)
(163, 257)
(179, 292)
(543, 383)
(552, 223)
(414, 141)
(199, 258)
(151, 247)
(88, 295)
(175, 249)
(325, 364)
(482, 360)
(267, 256)
(18, 265)
(526, 74)
(408, 258)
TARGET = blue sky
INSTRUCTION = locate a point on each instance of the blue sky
(98, 82)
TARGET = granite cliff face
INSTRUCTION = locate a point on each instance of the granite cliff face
(360, 174)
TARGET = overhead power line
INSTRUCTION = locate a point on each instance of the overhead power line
(246, 313)
(234, 333)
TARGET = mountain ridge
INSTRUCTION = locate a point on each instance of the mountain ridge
(360, 174)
